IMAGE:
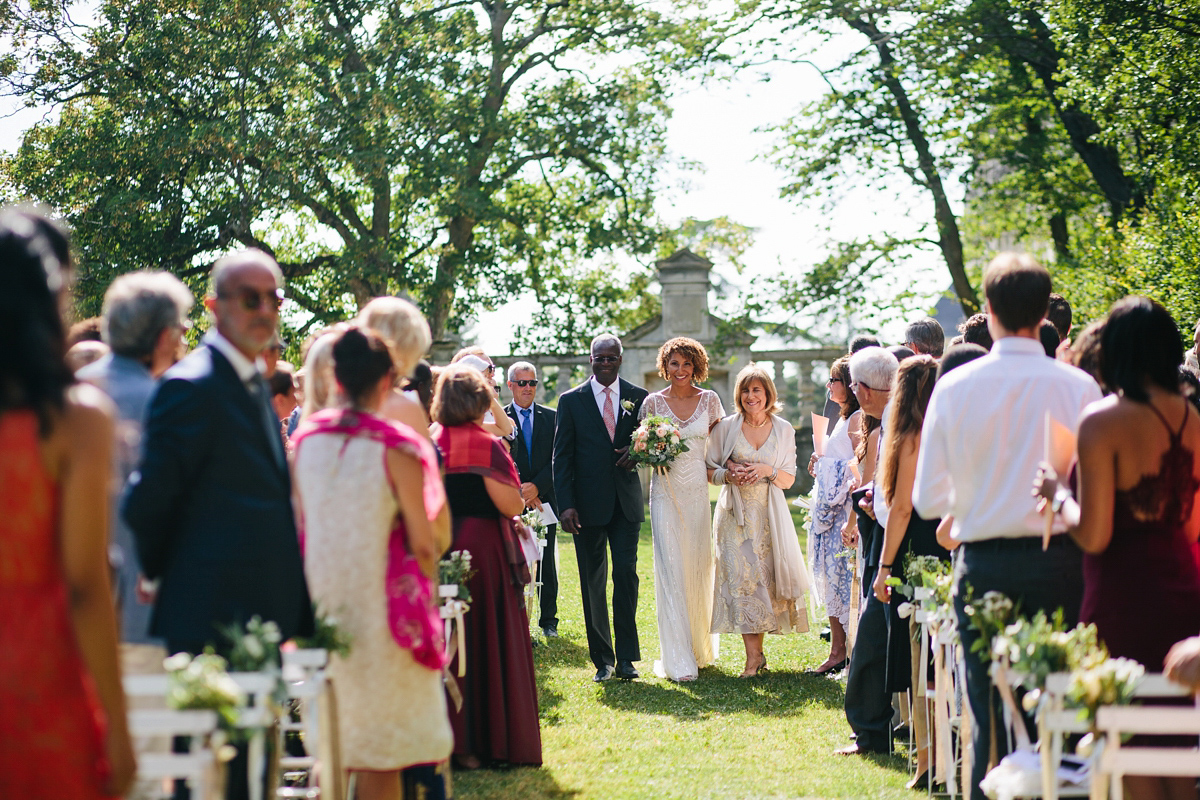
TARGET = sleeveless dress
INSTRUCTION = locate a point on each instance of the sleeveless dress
(51, 722)
(746, 600)
(1143, 591)
(684, 562)
(830, 510)
(391, 709)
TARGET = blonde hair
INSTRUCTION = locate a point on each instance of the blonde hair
(320, 386)
(753, 372)
(402, 327)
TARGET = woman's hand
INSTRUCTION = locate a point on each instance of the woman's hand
(812, 465)
(850, 532)
(867, 504)
(883, 592)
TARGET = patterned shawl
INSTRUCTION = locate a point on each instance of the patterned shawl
(469, 449)
(412, 615)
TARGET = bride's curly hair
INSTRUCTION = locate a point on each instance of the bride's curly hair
(690, 349)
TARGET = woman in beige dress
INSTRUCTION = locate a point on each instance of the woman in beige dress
(761, 575)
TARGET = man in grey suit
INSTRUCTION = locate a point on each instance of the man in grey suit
(144, 317)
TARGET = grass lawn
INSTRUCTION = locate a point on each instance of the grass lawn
(718, 737)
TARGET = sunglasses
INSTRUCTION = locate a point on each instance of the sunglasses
(832, 381)
(253, 300)
(523, 384)
(854, 387)
(605, 359)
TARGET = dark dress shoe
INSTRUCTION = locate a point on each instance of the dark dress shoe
(832, 668)
(626, 671)
(919, 782)
(550, 632)
(603, 674)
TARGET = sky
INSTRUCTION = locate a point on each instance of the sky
(717, 125)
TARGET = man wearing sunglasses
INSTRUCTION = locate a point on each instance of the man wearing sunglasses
(532, 450)
(210, 504)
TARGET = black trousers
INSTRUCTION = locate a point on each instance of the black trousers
(1034, 581)
(868, 704)
(548, 575)
(592, 545)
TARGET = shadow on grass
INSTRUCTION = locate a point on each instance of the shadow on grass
(548, 656)
(528, 783)
(779, 694)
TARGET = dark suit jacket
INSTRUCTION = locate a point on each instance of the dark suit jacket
(211, 510)
(538, 470)
(586, 475)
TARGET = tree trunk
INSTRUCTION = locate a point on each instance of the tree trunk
(1060, 236)
(949, 239)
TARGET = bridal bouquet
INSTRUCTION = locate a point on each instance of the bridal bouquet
(656, 443)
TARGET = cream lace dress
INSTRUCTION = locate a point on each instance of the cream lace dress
(745, 599)
(684, 561)
(391, 710)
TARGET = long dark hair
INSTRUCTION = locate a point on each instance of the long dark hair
(840, 370)
(33, 369)
(1141, 343)
(906, 415)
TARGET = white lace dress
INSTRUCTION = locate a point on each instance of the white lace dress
(391, 710)
(684, 561)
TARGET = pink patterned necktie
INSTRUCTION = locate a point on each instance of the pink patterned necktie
(610, 415)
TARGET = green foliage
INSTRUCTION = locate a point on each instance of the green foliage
(459, 152)
(327, 635)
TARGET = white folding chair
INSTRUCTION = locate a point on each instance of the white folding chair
(1116, 761)
(197, 766)
(304, 673)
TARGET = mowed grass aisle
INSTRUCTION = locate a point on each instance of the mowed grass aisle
(717, 737)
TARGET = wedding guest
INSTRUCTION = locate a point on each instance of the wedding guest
(958, 355)
(498, 722)
(405, 330)
(372, 506)
(1059, 313)
(1183, 663)
(1048, 336)
(901, 352)
(84, 353)
(144, 318)
(271, 355)
(495, 422)
(210, 504)
(761, 575)
(836, 474)
(601, 501)
(925, 336)
(419, 386)
(86, 330)
(1190, 358)
(868, 703)
(533, 452)
(320, 386)
(684, 562)
(1085, 351)
(863, 340)
(906, 534)
(1189, 385)
(980, 443)
(282, 384)
(63, 726)
(974, 330)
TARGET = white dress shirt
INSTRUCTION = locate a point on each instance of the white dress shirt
(878, 504)
(244, 367)
(983, 439)
(598, 391)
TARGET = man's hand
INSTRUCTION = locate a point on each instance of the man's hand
(1182, 664)
(867, 504)
(882, 592)
(625, 462)
(528, 492)
(569, 519)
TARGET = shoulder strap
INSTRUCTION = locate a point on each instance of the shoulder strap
(1170, 431)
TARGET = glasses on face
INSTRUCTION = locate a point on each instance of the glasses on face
(854, 387)
(832, 381)
(605, 359)
(523, 384)
(253, 299)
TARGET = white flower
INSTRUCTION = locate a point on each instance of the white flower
(627, 405)
(177, 662)
(253, 646)
(904, 610)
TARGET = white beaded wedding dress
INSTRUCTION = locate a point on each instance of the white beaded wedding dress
(684, 558)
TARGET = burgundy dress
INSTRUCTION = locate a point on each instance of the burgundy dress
(1143, 592)
(498, 722)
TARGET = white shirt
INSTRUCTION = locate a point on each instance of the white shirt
(244, 367)
(598, 391)
(878, 504)
(983, 439)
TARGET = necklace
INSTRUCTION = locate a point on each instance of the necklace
(759, 425)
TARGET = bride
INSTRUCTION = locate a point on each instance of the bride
(684, 562)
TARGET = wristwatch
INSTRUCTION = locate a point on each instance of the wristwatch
(1060, 497)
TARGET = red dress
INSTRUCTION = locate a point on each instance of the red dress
(51, 724)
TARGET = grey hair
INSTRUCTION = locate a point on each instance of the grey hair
(874, 367)
(402, 326)
(138, 307)
(520, 366)
(927, 335)
(605, 338)
(226, 265)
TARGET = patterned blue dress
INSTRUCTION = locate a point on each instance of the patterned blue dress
(830, 510)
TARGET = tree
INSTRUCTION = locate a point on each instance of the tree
(459, 151)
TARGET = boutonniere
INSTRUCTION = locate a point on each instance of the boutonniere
(627, 405)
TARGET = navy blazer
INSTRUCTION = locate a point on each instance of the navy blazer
(211, 509)
(586, 475)
(537, 470)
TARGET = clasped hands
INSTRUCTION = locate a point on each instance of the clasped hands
(746, 474)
